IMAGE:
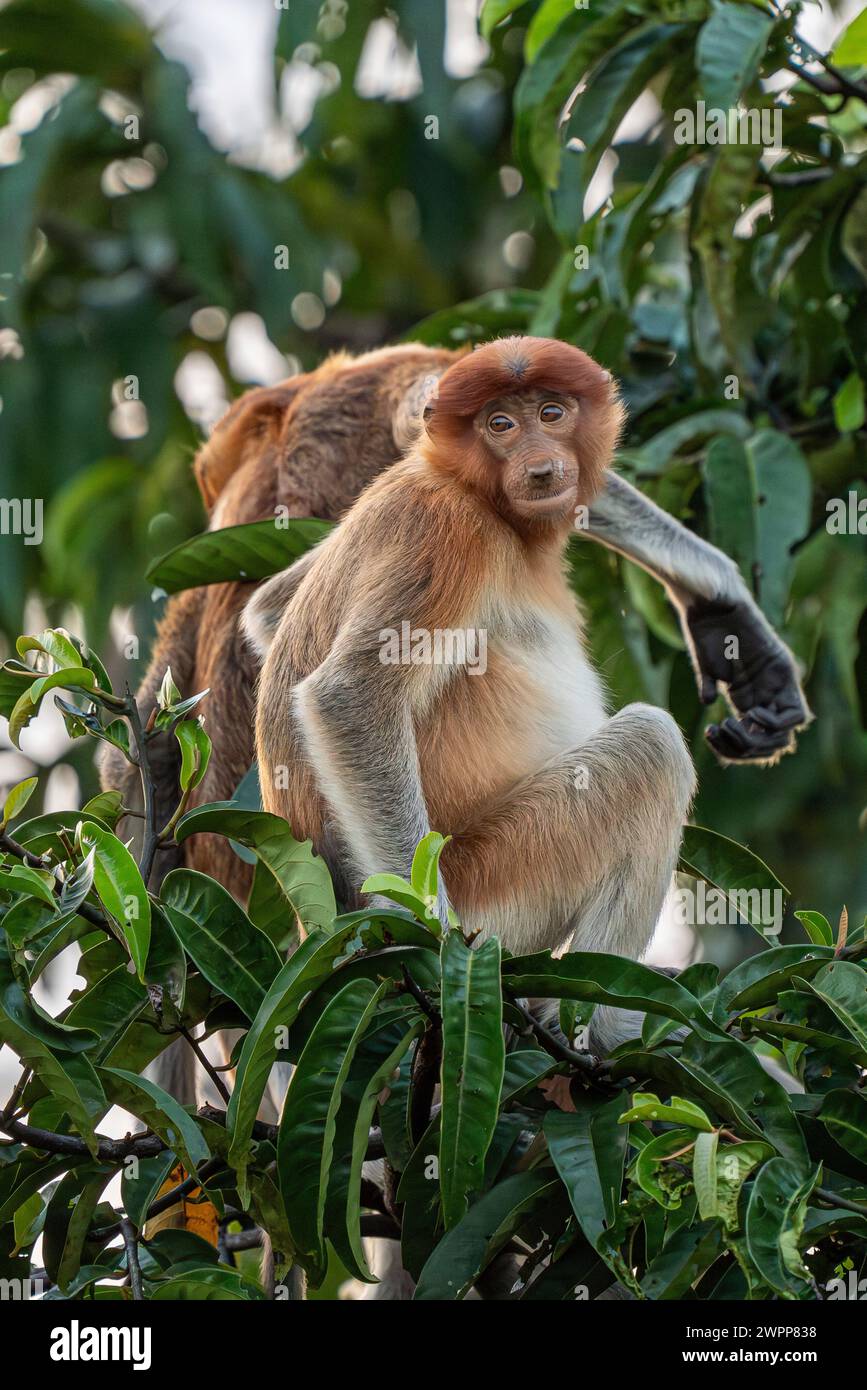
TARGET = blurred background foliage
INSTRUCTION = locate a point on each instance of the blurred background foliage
(536, 184)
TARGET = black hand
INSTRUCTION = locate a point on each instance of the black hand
(761, 681)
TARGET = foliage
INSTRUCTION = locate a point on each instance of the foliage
(726, 290)
(707, 270)
(678, 1167)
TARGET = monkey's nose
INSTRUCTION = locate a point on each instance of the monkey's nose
(540, 472)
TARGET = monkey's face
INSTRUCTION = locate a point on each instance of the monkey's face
(531, 439)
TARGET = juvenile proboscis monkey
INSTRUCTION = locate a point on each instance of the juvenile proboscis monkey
(565, 820)
(309, 446)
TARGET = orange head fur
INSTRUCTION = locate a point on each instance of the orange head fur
(514, 377)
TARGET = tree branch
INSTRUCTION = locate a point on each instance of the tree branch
(130, 1241)
(70, 1146)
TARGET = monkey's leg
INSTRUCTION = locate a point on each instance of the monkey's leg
(583, 851)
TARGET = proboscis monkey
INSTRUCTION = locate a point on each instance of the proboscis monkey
(374, 725)
(310, 445)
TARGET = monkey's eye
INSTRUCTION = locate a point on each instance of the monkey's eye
(498, 424)
(550, 413)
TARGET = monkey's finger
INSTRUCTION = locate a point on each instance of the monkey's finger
(787, 718)
(707, 689)
(736, 742)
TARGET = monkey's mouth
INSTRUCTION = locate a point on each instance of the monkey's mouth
(547, 504)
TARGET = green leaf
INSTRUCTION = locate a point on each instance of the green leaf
(734, 1163)
(495, 11)
(64, 930)
(109, 1006)
(217, 934)
(647, 1106)
(760, 978)
(378, 1054)
(67, 1221)
(166, 969)
(306, 968)
(424, 874)
(468, 1248)
(729, 49)
(472, 1067)
(727, 1076)
(617, 81)
(661, 1180)
(50, 1049)
(546, 83)
(704, 1174)
(843, 986)
(748, 883)
(38, 883)
(730, 488)
(662, 447)
(121, 890)
(56, 643)
(400, 890)
(419, 1195)
(775, 1222)
(195, 752)
(301, 875)
(851, 48)
(104, 808)
(305, 1142)
(255, 550)
(160, 1112)
(685, 1257)
(523, 1072)
(817, 927)
(605, 979)
(28, 1220)
(141, 1182)
(844, 1115)
(589, 1151)
(18, 798)
(28, 704)
(545, 22)
(783, 480)
(168, 694)
(208, 1284)
(849, 411)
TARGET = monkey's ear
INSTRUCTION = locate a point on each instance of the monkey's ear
(252, 423)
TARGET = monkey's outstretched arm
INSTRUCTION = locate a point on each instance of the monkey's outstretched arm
(756, 671)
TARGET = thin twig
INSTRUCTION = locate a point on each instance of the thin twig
(835, 1200)
(8, 1111)
(218, 1081)
(559, 1050)
(130, 1241)
(412, 987)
